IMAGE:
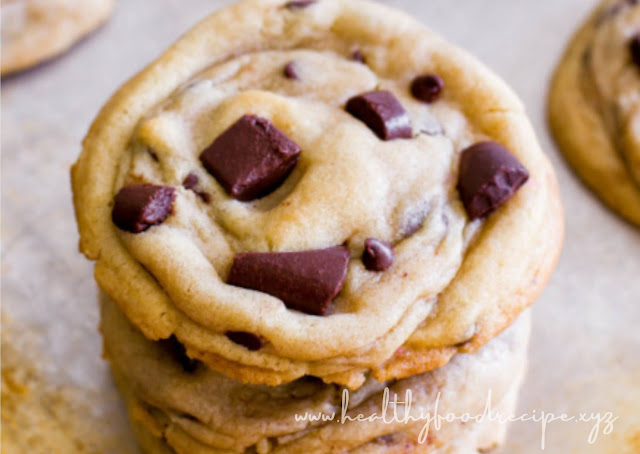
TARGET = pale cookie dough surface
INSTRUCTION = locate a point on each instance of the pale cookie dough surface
(594, 106)
(36, 30)
(203, 411)
(454, 284)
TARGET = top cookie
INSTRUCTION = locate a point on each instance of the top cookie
(594, 105)
(317, 188)
(35, 30)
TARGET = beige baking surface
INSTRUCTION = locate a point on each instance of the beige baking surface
(586, 345)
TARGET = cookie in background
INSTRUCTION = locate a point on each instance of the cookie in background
(37, 30)
(594, 105)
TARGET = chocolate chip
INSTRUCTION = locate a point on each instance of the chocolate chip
(358, 56)
(305, 281)
(382, 113)
(248, 340)
(290, 71)
(153, 155)
(378, 255)
(140, 206)
(634, 47)
(191, 183)
(427, 88)
(489, 176)
(204, 196)
(299, 4)
(179, 353)
(251, 158)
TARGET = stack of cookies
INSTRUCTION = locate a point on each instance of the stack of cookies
(314, 224)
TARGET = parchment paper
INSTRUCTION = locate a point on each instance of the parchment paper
(585, 353)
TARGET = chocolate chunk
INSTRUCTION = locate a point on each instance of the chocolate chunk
(358, 56)
(489, 176)
(634, 47)
(378, 255)
(248, 340)
(299, 4)
(382, 113)
(179, 353)
(305, 281)
(191, 183)
(140, 206)
(290, 71)
(427, 88)
(251, 158)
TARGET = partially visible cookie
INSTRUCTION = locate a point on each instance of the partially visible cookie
(177, 405)
(40, 414)
(594, 105)
(36, 30)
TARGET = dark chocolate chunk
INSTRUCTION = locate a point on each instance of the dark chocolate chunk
(634, 47)
(140, 206)
(305, 281)
(191, 183)
(290, 71)
(489, 176)
(378, 255)
(248, 340)
(251, 158)
(427, 88)
(299, 4)
(358, 56)
(382, 113)
(179, 353)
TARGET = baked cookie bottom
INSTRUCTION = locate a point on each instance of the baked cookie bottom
(201, 411)
(481, 438)
(580, 127)
(34, 30)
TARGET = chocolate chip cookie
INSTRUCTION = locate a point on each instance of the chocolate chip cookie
(319, 188)
(594, 105)
(176, 406)
(36, 30)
